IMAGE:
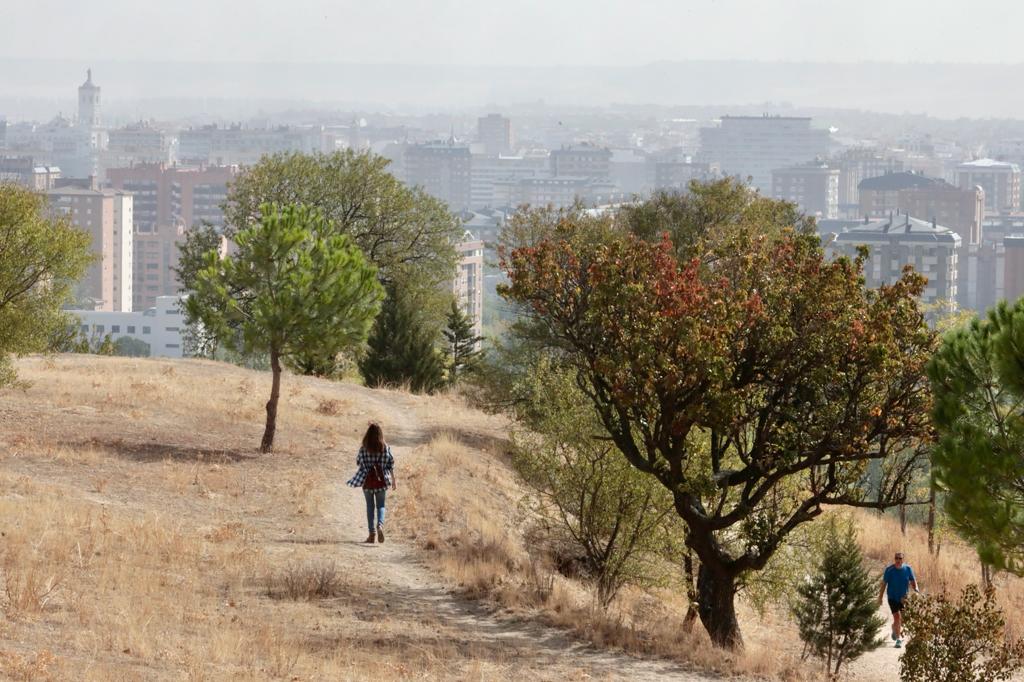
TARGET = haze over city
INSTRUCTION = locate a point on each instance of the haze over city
(671, 340)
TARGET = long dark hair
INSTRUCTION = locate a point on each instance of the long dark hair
(373, 441)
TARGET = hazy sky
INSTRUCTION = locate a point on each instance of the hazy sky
(515, 32)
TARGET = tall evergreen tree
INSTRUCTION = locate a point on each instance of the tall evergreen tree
(402, 348)
(978, 382)
(463, 345)
(835, 607)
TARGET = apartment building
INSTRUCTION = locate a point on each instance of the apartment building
(999, 179)
(961, 209)
(442, 169)
(107, 216)
(582, 161)
(494, 132)
(754, 146)
(468, 285)
(22, 170)
(814, 188)
(901, 240)
(169, 195)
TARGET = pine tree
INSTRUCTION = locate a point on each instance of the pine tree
(463, 345)
(402, 348)
(835, 608)
(287, 291)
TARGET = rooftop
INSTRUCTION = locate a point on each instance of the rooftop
(891, 182)
(900, 228)
(989, 163)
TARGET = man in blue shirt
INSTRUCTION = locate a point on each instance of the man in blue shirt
(896, 583)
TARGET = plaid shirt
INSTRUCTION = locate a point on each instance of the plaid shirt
(366, 460)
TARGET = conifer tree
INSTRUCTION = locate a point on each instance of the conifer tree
(402, 348)
(977, 379)
(287, 291)
(463, 344)
(835, 607)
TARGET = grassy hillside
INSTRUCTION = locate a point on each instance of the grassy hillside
(144, 538)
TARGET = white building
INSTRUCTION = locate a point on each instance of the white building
(162, 327)
(468, 285)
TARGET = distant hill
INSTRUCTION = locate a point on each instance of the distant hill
(943, 90)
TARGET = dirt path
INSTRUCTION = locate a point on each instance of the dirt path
(408, 590)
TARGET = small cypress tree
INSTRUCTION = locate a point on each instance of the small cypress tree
(835, 608)
(463, 345)
(402, 348)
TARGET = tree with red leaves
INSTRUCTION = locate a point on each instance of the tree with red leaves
(730, 360)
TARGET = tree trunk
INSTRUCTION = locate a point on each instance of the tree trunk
(716, 594)
(903, 519)
(931, 520)
(275, 393)
(691, 590)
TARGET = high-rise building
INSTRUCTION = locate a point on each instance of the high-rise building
(961, 209)
(490, 172)
(902, 240)
(124, 252)
(582, 161)
(107, 216)
(135, 144)
(495, 132)
(442, 170)
(88, 102)
(857, 164)
(754, 146)
(156, 257)
(174, 195)
(468, 285)
(999, 179)
(813, 187)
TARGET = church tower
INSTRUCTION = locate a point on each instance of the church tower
(88, 102)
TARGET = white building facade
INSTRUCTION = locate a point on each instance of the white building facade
(162, 326)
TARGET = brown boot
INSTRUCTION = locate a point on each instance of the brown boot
(370, 539)
(380, 535)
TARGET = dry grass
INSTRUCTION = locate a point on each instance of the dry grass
(954, 568)
(144, 538)
(141, 534)
(466, 512)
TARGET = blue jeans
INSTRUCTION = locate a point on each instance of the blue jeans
(375, 500)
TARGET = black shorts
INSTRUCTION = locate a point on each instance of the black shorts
(896, 605)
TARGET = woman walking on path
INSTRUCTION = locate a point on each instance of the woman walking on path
(376, 472)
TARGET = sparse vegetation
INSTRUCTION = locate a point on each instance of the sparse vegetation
(961, 641)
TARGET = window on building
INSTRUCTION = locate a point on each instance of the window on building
(173, 345)
(172, 329)
(145, 330)
(115, 329)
